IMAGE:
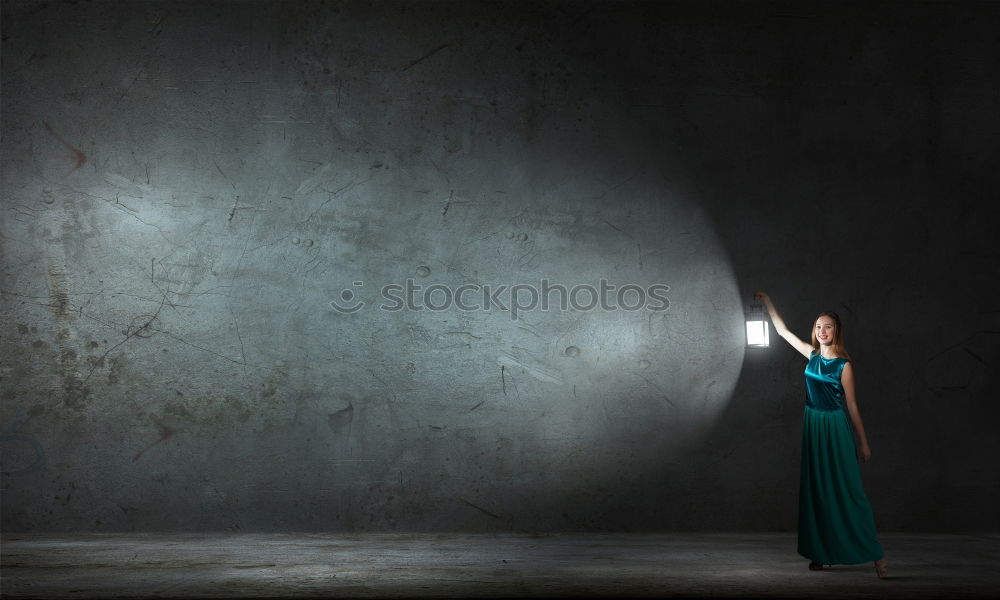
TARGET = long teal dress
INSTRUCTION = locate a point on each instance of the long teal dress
(836, 525)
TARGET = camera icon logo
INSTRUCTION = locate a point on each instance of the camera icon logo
(347, 296)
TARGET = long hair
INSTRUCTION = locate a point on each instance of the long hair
(837, 347)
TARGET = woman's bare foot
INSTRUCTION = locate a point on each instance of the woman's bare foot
(881, 568)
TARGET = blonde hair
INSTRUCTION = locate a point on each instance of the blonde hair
(837, 347)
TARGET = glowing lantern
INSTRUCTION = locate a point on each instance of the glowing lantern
(757, 331)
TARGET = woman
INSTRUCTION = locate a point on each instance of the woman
(836, 525)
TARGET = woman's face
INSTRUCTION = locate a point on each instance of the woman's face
(824, 330)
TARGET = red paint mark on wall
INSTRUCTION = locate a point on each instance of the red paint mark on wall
(165, 434)
(78, 154)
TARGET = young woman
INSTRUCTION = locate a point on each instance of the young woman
(836, 525)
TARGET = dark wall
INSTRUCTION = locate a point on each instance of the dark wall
(187, 186)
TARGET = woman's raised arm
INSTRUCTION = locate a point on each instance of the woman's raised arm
(779, 326)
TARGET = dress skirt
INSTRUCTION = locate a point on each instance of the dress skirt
(836, 525)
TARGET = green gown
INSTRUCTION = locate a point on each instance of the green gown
(836, 525)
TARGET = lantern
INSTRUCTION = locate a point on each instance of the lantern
(757, 331)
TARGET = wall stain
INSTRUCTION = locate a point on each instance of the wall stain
(165, 434)
(74, 394)
(340, 422)
(117, 366)
(78, 156)
(11, 435)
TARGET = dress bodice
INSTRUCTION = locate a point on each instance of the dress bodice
(823, 388)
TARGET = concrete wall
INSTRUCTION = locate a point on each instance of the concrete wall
(187, 187)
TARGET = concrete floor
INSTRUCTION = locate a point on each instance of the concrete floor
(442, 565)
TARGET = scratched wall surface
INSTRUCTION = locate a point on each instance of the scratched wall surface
(188, 186)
